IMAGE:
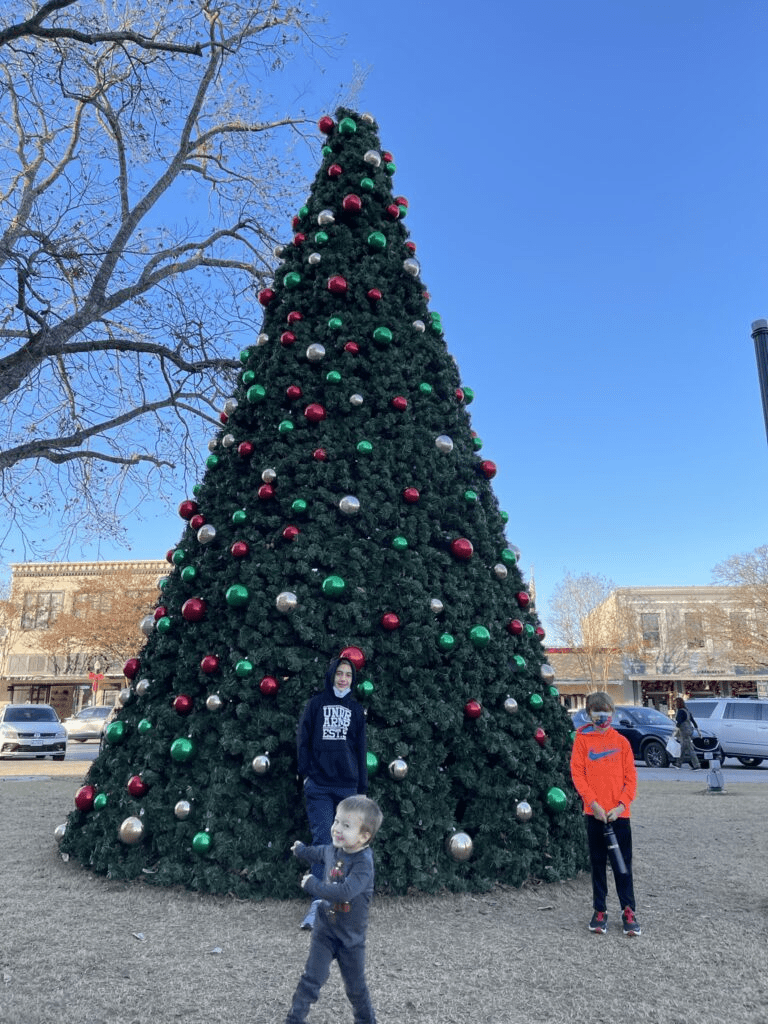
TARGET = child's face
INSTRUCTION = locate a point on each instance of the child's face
(342, 679)
(347, 832)
(601, 720)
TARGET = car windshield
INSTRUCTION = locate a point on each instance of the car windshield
(644, 716)
(94, 713)
(30, 715)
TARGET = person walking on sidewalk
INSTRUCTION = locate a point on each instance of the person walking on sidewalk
(686, 726)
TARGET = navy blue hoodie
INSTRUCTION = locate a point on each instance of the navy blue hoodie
(331, 743)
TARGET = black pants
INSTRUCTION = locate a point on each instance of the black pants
(598, 858)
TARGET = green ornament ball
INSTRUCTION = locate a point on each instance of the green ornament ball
(367, 184)
(446, 642)
(383, 335)
(469, 394)
(365, 688)
(335, 323)
(245, 355)
(237, 595)
(115, 732)
(347, 126)
(519, 661)
(507, 556)
(197, 490)
(144, 727)
(189, 573)
(292, 279)
(202, 842)
(504, 516)
(377, 240)
(554, 692)
(471, 497)
(284, 427)
(477, 443)
(182, 750)
(371, 763)
(425, 388)
(244, 668)
(248, 378)
(163, 624)
(480, 636)
(536, 700)
(556, 799)
(178, 556)
(240, 517)
(303, 211)
(333, 377)
(364, 447)
(100, 802)
(256, 393)
(400, 543)
(529, 630)
(321, 237)
(212, 461)
(333, 586)
(299, 505)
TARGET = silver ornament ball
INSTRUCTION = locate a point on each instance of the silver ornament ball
(125, 696)
(349, 505)
(398, 769)
(325, 217)
(547, 673)
(419, 326)
(356, 400)
(372, 157)
(182, 809)
(524, 811)
(460, 846)
(230, 405)
(269, 476)
(228, 440)
(412, 267)
(58, 832)
(147, 624)
(315, 353)
(443, 443)
(510, 705)
(260, 764)
(262, 339)
(436, 606)
(142, 687)
(314, 259)
(131, 831)
(213, 444)
(500, 571)
(286, 602)
(206, 533)
(214, 702)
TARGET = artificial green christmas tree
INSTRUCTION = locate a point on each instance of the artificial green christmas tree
(345, 507)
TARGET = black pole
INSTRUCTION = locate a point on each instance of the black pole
(760, 335)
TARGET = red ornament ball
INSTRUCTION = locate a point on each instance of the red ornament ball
(169, 554)
(411, 247)
(460, 394)
(84, 798)
(523, 599)
(352, 203)
(197, 521)
(393, 211)
(314, 412)
(131, 668)
(390, 621)
(295, 222)
(291, 532)
(325, 124)
(515, 627)
(488, 469)
(411, 495)
(402, 201)
(239, 549)
(352, 347)
(462, 549)
(183, 704)
(265, 296)
(400, 403)
(473, 709)
(245, 449)
(334, 171)
(293, 391)
(209, 665)
(137, 786)
(187, 509)
(298, 238)
(193, 609)
(320, 455)
(540, 633)
(374, 295)
(293, 317)
(540, 736)
(159, 612)
(337, 285)
(268, 686)
(287, 338)
(354, 656)
(266, 492)
(223, 418)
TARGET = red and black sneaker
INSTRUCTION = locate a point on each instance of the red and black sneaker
(631, 924)
(599, 922)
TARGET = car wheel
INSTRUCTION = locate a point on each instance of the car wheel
(750, 762)
(58, 757)
(655, 754)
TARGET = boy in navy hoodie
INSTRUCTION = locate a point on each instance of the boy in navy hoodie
(331, 749)
(344, 896)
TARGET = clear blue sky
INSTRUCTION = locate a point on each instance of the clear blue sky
(588, 192)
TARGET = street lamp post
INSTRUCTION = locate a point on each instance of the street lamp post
(760, 336)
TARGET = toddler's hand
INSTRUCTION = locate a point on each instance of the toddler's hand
(305, 879)
(296, 845)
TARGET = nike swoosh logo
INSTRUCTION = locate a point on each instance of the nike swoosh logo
(595, 755)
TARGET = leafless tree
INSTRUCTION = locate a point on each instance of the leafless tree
(142, 183)
(745, 628)
(597, 641)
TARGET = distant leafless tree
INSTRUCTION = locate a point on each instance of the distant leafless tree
(745, 628)
(142, 180)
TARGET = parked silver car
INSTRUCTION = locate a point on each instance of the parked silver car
(740, 724)
(87, 724)
(31, 730)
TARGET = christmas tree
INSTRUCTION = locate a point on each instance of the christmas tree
(345, 508)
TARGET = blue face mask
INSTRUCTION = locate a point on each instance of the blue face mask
(602, 719)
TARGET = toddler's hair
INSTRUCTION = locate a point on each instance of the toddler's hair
(368, 809)
(600, 702)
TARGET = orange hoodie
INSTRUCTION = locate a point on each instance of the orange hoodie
(603, 769)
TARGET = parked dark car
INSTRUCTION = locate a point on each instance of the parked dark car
(648, 731)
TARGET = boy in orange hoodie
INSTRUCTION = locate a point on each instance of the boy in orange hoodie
(604, 774)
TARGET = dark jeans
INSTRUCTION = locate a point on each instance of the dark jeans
(323, 949)
(321, 804)
(598, 858)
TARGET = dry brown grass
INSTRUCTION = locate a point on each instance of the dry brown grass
(78, 949)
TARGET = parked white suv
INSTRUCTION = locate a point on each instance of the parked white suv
(740, 723)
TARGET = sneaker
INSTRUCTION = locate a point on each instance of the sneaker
(599, 922)
(631, 924)
(309, 921)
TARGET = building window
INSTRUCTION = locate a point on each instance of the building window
(694, 631)
(41, 608)
(649, 625)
